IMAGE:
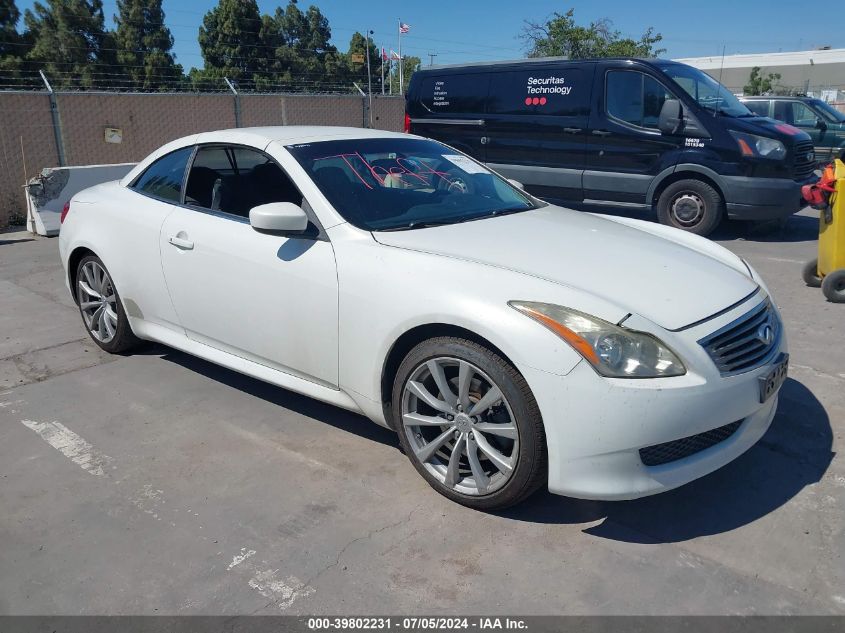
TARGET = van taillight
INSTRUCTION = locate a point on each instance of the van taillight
(65, 210)
(407, 123)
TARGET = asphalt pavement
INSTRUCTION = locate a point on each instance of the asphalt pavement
(157, 483)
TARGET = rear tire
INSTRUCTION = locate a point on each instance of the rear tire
(487, 458)
(100, 307)
(833, 286)
(691, 205)
(810, 274)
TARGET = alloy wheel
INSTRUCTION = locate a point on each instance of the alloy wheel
(460, 426)
(97, 301)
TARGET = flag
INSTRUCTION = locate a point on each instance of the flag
(404, 28)
(394, 54)
(383, 54)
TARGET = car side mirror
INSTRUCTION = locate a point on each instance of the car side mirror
(671, 117)
(820, 124)
(516, 184)
(278, 217)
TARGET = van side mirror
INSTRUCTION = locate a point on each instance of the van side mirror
(671, 117)
(278, 217)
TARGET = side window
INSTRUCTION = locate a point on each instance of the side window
(760, 108)
(635, 98)
(455, 93)
(782, 112)
(802, 116)
(554, 91)
(163, 179)
(236, 179)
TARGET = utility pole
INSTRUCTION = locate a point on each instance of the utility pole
(431, 57)
(381, 62)
(369, 80)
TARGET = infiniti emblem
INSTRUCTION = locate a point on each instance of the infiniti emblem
(766, 334)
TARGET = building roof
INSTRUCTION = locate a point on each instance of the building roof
(793, 58)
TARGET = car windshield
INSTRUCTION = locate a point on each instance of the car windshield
(381, 184)
(831, 113)
(708, 92)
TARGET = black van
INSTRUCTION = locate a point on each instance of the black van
(618, 132)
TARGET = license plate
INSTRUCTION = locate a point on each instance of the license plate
(771, 382)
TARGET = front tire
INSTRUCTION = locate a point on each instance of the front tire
(691, 205)
(469, 423)
(100, 307)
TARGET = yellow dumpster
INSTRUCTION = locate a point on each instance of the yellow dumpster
(828, 270)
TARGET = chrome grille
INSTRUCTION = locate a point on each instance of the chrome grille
(686, 446)
(746, 343)
(804, 160)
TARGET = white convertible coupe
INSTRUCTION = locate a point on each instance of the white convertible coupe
(509, 342)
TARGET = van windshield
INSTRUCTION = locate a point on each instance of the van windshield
(383, 184)
(708, 92)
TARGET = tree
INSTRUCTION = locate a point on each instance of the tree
(9, 37)
(13, 46)
(759, 84)
(296, 48)
(143, 45)
(70, 43)
(410, 65)
(560, 36)
(230, 43)
(358, 69)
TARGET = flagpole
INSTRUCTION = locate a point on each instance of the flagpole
(369, 80)
(401, 82)
(381, 61)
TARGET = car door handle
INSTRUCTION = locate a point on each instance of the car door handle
(572, 130)
(601, 133)
(180, 242)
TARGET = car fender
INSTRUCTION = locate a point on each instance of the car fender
(419, 289)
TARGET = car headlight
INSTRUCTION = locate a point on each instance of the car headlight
(613, 351)
(759, 146)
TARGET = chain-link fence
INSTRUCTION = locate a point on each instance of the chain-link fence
(40, 129)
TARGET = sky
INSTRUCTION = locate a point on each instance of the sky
(485, 30)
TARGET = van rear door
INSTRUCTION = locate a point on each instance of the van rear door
(450, 107)
(536, 126)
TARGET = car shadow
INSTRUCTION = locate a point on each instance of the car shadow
(794, 453)
(327, 413)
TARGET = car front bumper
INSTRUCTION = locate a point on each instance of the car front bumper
(595, 427)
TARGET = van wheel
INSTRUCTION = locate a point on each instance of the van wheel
(833, 286)
(691, 205)
(810, 274)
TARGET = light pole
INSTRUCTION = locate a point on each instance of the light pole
(369, 78)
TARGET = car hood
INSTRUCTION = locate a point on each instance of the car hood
(670, 284)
